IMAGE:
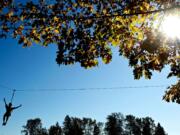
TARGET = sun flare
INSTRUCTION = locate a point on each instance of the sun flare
(171, 26)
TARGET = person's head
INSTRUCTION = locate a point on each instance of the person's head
(10, 104)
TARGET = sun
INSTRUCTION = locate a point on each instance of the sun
(171, 26)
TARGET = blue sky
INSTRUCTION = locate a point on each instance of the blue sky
(35, 68)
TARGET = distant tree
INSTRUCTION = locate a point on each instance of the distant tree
(72, 126)
(55, 130)
(85, 31)
(148, 126)
(133, 125)
(34, 127)
(88, 126)
(43, 131)
(97, 129)
(114, 124)
(67, 126)
(77, 126)
(159, 130)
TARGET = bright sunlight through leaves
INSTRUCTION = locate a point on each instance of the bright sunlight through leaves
(171, 26)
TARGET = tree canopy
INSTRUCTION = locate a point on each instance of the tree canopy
(116, 124)
(85, 31)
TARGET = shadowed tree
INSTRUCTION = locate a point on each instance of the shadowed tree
(133, 125)
(72, 126)
(148, 126)
(85, 31)
(34, 127)
(159, 130)
(88, 126)
(43, 131)
(77, 126)
(67, 126)
(55, 130)
(97, 129)
(114, 124)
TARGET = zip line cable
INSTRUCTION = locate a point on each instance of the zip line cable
(84, 89)
(87, 89)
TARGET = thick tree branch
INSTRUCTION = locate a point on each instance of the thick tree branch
(125, 15)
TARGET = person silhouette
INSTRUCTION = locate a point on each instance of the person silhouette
(9, 109)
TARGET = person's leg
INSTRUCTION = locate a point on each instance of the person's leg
(4, 119)
(7, 117)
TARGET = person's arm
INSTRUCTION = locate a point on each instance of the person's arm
(16, 107)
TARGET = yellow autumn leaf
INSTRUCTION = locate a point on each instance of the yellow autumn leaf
(115, 42)
(140, 36)
(56, 31)
(55, 19)
(11, 13)
(133, 28)
(146, 5)
(130, 43)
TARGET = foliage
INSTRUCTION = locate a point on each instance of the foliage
(97, 130)
(73, 126)
(133, 125)
(90, 126)
(55, 130)
(159, 130)
(116, 124)
(173, 93)
(148, 127)
(34, 127)
(85, 31)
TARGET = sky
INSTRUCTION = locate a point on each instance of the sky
(35, 68)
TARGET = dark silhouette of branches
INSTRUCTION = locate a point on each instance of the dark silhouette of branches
(116, 124)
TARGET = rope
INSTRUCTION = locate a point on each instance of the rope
(85, 89)
(13, 95)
